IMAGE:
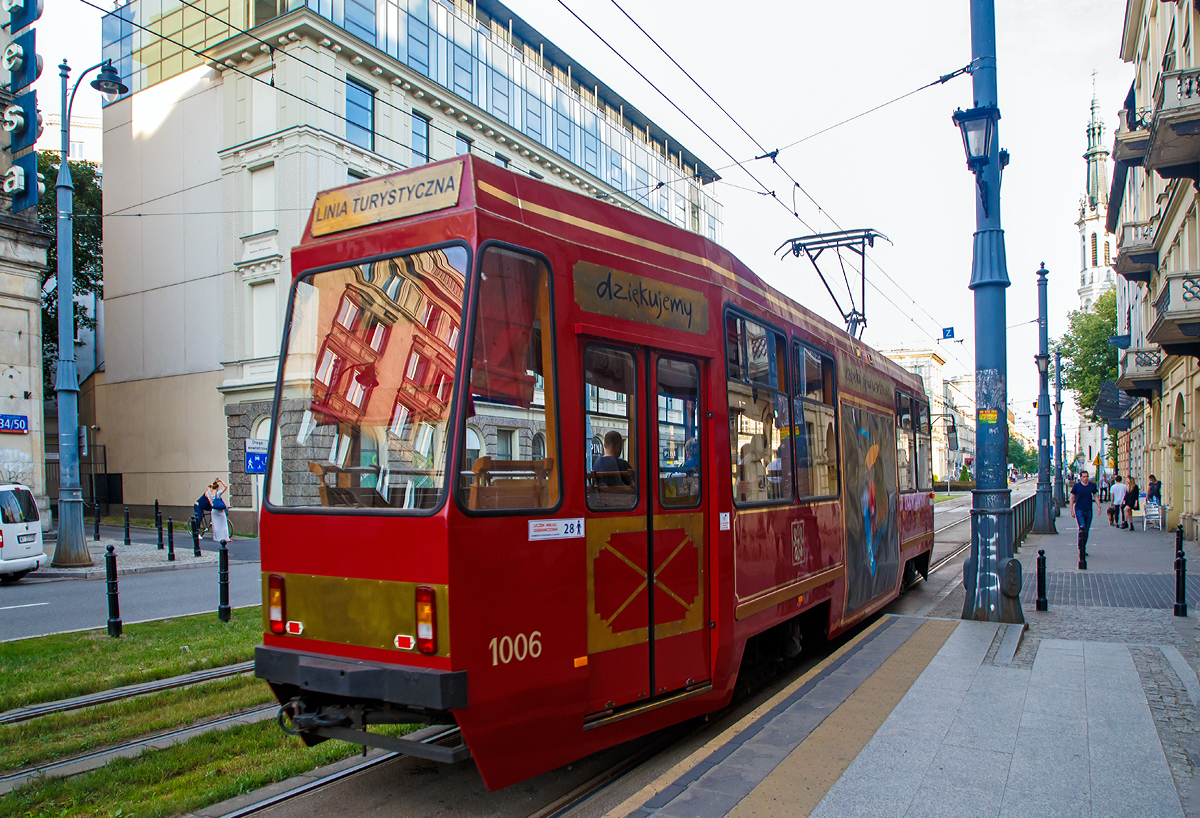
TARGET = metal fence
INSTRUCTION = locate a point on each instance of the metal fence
(1022, 520)
(94, 479)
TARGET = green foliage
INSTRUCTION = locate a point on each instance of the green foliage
(88, 251)
(1087, 358)
(964, 475)
(1024, 459)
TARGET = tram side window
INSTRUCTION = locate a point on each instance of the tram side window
(905, 446)
(756, 368)
(512, 349)
(924, 448)
(610, 393)
(814, 433)
(679, 470)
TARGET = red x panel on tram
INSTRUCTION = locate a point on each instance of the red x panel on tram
(645, 527)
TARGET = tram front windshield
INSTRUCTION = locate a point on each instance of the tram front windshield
(368, 376)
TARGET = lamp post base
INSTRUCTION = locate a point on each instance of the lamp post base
(1043, 512)
(992, 575)
(71, 549)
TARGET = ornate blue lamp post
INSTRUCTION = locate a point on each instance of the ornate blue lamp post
(992, 575)
(1060, 498)
(70, 549)
(1043, 509)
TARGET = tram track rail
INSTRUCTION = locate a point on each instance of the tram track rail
(34, 711)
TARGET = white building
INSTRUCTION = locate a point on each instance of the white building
(212, 163)
(1097, 249)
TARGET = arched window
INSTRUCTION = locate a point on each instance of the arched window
(539, 446)
(473, 448)
(1095, 259)
(1107, 257)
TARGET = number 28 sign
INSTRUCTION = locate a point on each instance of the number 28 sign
(555, 529)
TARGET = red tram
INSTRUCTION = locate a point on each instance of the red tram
(541, 468)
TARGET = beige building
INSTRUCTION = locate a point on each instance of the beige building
(213, 160)
(1153, 211)
(949, 399)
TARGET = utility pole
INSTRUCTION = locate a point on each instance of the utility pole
(992, 575)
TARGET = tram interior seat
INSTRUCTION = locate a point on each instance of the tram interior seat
(612, 489)
(343, 494)
(752, 481)
(510, 483)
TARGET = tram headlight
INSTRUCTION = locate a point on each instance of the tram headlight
(275, 603)
(426, 620)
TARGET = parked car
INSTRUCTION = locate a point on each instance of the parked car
(20, 533)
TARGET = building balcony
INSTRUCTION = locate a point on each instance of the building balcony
(1136, 256)
(1174, 147)
(1176, 327)
(1137, 375)
(1130, 143)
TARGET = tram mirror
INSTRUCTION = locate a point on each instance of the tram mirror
(952, 437)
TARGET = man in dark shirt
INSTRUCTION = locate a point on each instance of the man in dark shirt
(1083, 497)
(611, 469)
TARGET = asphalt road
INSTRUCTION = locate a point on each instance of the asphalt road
(32, 607)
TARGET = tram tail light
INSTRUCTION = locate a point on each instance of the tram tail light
(426, 620)
(275, 603)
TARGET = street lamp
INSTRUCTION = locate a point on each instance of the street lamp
(1060, 497)
(70, 549)
(991, 576)
(1043, 507)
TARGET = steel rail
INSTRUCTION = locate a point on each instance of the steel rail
(20, 714)
(42, 770)
(279, 798)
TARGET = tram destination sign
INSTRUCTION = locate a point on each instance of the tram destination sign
(618, 294)
(392, 197)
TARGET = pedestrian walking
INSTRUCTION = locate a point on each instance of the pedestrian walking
(220, 522)
(1102, 479)
(1132, 503)
(1116, 507)
(1084, 495)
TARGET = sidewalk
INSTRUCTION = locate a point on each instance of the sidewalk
(1089, 711)
(142, 555)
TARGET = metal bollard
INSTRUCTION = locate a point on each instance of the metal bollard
(114, 606)
(97, 531)
(1179, 538)
(223, 610)
(157, 515)
(1180, 583)
(1042, 603)
(158, 524)
(127, 540)
(170, 540)
(195, 538)
(1082, 551)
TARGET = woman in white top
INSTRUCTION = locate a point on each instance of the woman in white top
(220, 523)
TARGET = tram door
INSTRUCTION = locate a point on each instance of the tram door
(647, 600)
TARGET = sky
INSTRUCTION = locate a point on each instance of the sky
(786, 70)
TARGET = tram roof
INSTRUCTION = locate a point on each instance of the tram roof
(486, 187)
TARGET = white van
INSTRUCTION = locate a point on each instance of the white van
(20, 533)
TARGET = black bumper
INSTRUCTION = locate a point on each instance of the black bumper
(352, 679)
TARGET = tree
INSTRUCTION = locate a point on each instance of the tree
(1087, 358)
(1024, 459)
(88, 244)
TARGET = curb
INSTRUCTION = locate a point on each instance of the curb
(98, 573)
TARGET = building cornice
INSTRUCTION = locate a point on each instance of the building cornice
(1129, 34)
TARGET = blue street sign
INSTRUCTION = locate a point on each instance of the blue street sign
(14, 424)
(947, 333)
(256, 456)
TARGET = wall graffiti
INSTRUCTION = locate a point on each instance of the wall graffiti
(872, 503)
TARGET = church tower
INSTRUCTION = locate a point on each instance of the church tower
(1097, 247)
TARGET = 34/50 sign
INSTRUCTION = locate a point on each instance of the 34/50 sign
(14, 424)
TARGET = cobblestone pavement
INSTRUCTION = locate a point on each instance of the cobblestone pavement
(1108, 590)
(1173, 711)
(136, 555)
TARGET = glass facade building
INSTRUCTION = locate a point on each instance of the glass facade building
(474, 53)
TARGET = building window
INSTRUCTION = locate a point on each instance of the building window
(539, 447)
(504, 443)
(360, 115)
(264, 331)
(262, 199)
(474, 447)
(1107, 262)
(420, 139)
(462, 145)
(360, 19)
(502, 160)
(1095, 259)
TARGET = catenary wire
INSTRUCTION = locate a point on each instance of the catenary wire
(773, 155)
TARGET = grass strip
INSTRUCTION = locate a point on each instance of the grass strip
(937, 498)
(48, 668)
(183, 778)
(62, 735)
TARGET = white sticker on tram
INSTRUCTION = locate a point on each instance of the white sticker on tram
(555, 529)
(724, 520)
